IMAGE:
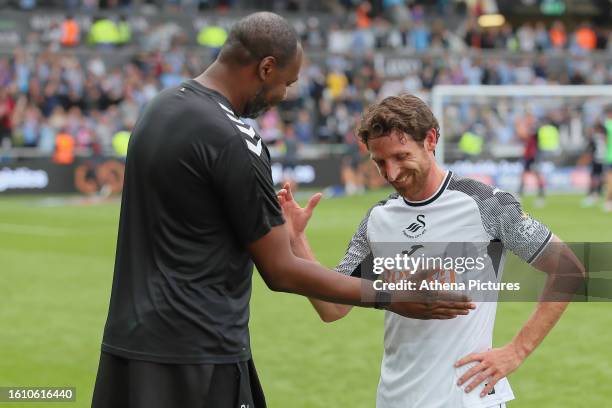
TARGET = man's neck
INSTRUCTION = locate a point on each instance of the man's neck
(434, 180)
(218, 78)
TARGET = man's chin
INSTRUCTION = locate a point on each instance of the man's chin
(401, 190)
(256, 114)
(405, 191)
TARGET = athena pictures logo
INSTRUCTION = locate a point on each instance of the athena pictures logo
(417, 228)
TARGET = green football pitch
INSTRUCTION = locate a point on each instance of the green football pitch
(56, 263)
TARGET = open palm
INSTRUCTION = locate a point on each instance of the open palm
(297, 217)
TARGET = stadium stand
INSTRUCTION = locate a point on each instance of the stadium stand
(87, 75)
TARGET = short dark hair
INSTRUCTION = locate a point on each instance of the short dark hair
(405, 113)
(260, 35)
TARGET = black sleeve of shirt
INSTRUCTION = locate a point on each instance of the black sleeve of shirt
(244, 184)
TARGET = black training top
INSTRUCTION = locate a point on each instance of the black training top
(198, 188)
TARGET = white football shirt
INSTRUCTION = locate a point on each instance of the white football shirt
(417, 369)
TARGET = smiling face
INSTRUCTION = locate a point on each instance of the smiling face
(402, 161)
(275, 81)
(401, 133)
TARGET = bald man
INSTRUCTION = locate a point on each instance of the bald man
(198, 209)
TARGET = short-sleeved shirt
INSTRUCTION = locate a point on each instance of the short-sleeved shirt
(198, 188)
(417, 368)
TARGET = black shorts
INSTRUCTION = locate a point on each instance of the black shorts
(126, 383)
(528, 164)
(596, 169)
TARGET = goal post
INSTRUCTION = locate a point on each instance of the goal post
(581, 105)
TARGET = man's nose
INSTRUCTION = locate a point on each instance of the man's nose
(392, 171)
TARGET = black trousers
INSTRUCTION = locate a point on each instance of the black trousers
(126, 383)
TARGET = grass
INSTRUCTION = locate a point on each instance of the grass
(56, 264)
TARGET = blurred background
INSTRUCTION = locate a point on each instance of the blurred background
(522, 90)
(74, 76)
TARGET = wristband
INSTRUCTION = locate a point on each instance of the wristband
(382, 300)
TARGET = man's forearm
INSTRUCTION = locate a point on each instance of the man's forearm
(301, 248)
(327, 311)
(565, 276)
(537, 327)
(308, 278)
(285, 272)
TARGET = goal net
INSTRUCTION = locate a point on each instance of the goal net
(483, 130)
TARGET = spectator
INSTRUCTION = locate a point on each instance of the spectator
(526, 38)
(585, 38)
(558, 36)
(271, 126)
(30, 126)
(103, 33)
(7, 108)
(542, 42)
(303, 127)
(339, 41)
(419, 37)
(396, 12)
(362, 15)
(212, 36)
(124, 31)
(70, 32)
(473, 35)
(336, 83)
(64, 149)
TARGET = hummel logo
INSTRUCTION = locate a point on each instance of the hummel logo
(250, 132)
(255, 148)
(247, 130)
(234, 119)
(225, 108)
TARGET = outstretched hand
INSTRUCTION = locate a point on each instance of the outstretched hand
(296, 217)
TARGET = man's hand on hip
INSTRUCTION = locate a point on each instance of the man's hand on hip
(493, 365)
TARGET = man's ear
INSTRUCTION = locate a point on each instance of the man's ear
(431, 140)
(266, 67)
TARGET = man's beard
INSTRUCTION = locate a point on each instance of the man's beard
(256, 106)
(418, 180)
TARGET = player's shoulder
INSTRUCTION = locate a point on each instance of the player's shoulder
(206, 106)
(385, 202)
(219, 125)
(189, 102)
(480, 191)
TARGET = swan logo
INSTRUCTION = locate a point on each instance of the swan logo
(417, 228)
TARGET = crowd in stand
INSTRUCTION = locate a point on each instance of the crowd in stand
(43, 94)
(358, 34)
(46, 94)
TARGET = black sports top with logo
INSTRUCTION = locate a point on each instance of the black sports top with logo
(198, 188)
